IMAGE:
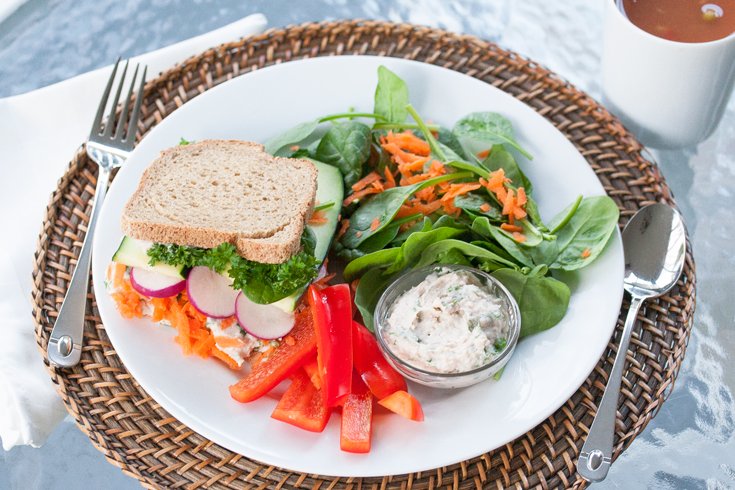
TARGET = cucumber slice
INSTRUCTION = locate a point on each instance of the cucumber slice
(329, 188)
(132, 253)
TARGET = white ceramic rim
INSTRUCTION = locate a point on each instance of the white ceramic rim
(537, 380)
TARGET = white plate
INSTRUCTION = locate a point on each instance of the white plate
(545, 370)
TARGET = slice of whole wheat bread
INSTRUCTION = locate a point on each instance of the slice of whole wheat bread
(215, 191)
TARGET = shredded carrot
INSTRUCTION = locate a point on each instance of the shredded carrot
(358, 234)
(362, 183)
(484, 154)
(288, 340)
(511, 228)
(459, 189)
(518, 237)
(390, 180)
(324, 281)
(318, 218)
(118, 275)
(219, 354)
(160, 306)
(294, 148)
(414, 207)
(377, 184)
(228, 322)
(406, 226)
(264, 355)
(414, 166)
(521, 198)
(586, 253)
(225, 342)
(128, 304)
(427, 194)
(485, 208)
(409, 142)
(436, 169)
(399, 156)
(353, 285)
(375, 224)
(357, 195)
(345, 225)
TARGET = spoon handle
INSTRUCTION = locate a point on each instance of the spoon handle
(596, 456)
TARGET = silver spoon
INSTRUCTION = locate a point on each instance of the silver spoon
(654, 242)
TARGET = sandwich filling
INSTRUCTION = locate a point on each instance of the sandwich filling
(261, 283)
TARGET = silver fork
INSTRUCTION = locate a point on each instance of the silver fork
(109, 149)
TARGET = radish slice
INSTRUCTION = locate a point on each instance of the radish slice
(210, 293)
(155, 285)
(266, 322)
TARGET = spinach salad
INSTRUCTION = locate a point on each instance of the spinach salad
(417, 196)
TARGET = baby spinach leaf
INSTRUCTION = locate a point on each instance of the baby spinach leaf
(453, 256)
(590, 227)
(533, 236)
(494, 248)
(421, 226)
(371, 286)
(381, 239)
(384, 207)
(380, 259)
(346, 146)
(415, 245)
(476, 169)
(391, 96)
(447, 140)
(489, 127)
(451, 222)
(483, 227)
(291, 136)
(499, 158)
(561, 221)
(431, 254)
(533, 214)
(350, 254)
(543, 301)
(473, 202)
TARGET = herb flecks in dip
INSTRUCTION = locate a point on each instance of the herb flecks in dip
(449, 323)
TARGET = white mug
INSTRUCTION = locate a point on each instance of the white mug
(669, 94)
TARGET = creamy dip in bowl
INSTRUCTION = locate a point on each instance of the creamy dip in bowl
(447, 326)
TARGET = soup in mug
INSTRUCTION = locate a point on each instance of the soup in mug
(686, 21)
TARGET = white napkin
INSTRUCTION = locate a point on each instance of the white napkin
(39, 132)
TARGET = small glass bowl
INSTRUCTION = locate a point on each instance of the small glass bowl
(509, 309)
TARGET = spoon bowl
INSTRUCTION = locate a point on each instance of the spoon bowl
(654, 243)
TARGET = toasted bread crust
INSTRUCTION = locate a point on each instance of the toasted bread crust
(216, 191)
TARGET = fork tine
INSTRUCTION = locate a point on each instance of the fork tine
(111, 118)
(103, 103)
(133, 126)
(121, 134)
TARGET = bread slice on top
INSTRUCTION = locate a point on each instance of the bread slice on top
(215, 191)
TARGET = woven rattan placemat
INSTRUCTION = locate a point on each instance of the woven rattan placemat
(137, 435)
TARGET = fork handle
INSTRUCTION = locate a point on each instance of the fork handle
(65, 345)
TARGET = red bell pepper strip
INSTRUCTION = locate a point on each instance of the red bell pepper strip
(404, 405)
(311, 366)
(301, 405)
(357, 419)
(282, 363)
(375, 370)
(332, 312)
